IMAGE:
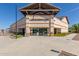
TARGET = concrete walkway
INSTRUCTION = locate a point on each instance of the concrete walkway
(36, 46)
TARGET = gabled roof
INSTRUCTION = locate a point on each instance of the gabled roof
(40, 6)
(60, 18)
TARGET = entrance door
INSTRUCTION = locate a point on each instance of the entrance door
(35, 31)
(57, 30)
(23, 31)
(39, 31)
(42, 31)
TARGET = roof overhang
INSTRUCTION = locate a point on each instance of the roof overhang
(40, 7)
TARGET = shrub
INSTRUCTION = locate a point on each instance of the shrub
(59, 34)
(19, 36)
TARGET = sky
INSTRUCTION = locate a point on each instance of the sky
(8, 12)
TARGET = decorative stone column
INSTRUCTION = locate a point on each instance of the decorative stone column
(51, 25)
(52, 30)
(27, 29)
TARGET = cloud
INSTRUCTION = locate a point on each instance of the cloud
(72, 10)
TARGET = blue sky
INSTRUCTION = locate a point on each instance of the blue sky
(8, 13)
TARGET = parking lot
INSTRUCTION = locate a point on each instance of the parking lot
(35, 45)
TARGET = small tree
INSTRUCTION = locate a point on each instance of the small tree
(74, 28)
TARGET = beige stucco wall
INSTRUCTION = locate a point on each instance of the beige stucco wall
(55, 23)
(13, 28)
(59, 24)
(63, 24)
(39, 16)
(20, 24)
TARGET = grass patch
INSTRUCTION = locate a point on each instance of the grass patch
(59, 35)
(19, 36)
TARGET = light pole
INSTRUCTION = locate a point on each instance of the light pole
(16, 19)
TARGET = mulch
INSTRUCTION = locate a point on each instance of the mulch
(76, 37)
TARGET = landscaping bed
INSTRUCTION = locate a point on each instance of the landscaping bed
(60, 34)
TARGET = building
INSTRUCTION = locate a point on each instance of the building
(40, 19)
